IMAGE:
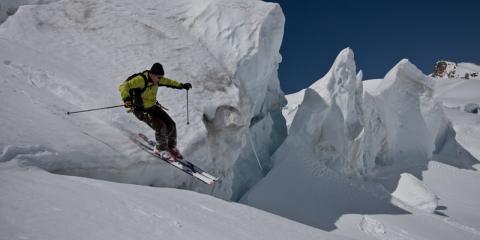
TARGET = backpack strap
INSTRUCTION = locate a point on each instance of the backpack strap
(136, 93)
(144, 79)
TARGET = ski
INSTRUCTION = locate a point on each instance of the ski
(147, 145)
(183, 161)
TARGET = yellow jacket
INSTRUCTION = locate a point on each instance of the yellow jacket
(149, 95)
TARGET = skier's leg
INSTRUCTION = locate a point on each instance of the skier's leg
(171, 132)
(151, 117)
(171, 127)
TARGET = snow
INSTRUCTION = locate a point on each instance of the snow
(415, 193)
(293, 101)
(325, 103)
(35, 204)
(449, 70)
(390, 158)
(382, 183)
(9, 7)
(88, 48)
(455, 94)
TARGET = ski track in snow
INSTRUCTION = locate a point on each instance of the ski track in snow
(101, 141)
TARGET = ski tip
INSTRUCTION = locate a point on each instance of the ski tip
(214, 180)
(212, 183)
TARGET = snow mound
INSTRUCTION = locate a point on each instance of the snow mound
(414, 193)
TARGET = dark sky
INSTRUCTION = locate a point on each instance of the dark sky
(380, 33)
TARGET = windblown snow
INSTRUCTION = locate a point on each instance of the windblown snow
(391, 158)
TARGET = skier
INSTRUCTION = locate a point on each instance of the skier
(139, 94)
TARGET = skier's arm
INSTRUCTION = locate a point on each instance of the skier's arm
(125, 87)
(167, 82)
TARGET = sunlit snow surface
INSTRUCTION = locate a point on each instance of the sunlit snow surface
(413, 172)
(393, 158)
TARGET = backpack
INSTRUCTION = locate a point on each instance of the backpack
(136, 93)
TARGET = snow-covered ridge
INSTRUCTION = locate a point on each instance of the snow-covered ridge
(228, 50)
(447, 69)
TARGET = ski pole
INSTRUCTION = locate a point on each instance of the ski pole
(94, 109)
(188, 121)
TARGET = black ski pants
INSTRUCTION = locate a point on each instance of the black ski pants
(164, 126)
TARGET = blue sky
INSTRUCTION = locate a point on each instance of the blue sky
(381, 33)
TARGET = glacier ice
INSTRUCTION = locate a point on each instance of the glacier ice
(228, 50)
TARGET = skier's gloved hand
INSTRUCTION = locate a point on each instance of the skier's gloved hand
(128, 104)
(186, 86)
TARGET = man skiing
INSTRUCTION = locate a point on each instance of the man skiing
(139, 94)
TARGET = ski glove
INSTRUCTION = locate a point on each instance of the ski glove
(186, 86)
(128, 104)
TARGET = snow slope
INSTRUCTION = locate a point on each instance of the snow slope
(72, 55)
(455, 94)
(35, 204)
